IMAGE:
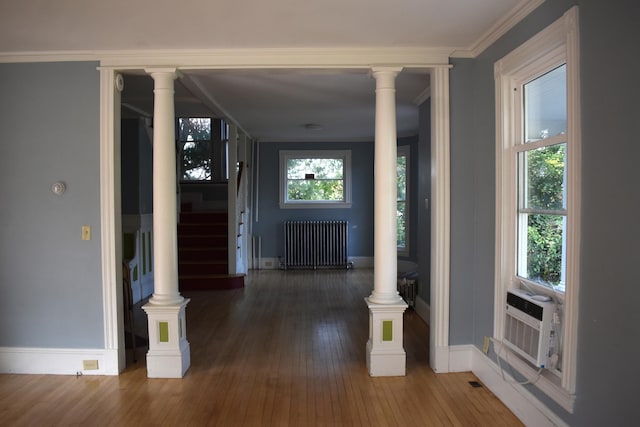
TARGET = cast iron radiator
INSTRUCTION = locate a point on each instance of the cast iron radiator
(315, 244)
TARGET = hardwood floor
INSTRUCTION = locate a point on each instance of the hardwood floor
(288, 350)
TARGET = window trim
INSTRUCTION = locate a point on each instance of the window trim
(405, 150)
(556, 43)
(345, 155)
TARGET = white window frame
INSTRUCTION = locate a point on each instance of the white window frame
(405, 150)
(555, 45)
(345, 155)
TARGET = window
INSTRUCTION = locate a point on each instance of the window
(315, 179)
(541, 163)
(538, 189)
(194, 135)
(402, 167)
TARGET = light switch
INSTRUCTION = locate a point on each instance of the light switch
(86, 232)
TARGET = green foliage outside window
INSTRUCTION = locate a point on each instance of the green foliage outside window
(545, 191)
(401, 214)
(194, 135)
(315, 179)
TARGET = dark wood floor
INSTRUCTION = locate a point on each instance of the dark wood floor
(288, 350)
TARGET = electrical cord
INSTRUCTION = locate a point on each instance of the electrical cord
(498, 355)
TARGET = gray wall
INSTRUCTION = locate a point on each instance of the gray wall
(50, 280)
(136, 168)
(609, 323)
(360, 215)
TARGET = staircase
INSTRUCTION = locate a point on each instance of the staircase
(202, 253)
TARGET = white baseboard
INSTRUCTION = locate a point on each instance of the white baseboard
(267, 263)
(460, 358)
(361, 261)
(422, 308)
(57, 361)
(521, 402)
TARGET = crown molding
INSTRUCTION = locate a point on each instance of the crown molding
(423, 96)
(510, 20)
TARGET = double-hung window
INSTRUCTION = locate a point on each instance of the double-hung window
(541, 174)
(538, 191)
(315, 179)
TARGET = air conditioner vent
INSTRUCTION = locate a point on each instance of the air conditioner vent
(528, 327)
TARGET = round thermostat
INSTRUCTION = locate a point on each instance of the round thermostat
(58, 188)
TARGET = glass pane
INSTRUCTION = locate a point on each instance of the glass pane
(194, 129)
(315, 168)
(196, 161)
(316, 190)
(402, 177)
(542, 178)
(545, 105)
(401, 223)
(543, 253)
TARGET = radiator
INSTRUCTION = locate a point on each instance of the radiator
(315, 244)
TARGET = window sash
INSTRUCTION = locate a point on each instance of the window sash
(343, 155)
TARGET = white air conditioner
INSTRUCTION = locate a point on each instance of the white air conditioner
(528, 327)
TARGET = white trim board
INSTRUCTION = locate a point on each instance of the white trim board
(56, 361)
(530, 410)
(243, 58)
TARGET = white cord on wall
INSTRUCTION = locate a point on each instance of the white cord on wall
(498, 355)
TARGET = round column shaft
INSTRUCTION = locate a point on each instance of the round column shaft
(385, 182)
(165, 242)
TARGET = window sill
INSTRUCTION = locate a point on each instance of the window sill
(303, 205)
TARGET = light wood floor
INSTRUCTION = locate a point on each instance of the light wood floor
(288, 350)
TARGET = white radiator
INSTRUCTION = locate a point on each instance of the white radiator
(314, 244)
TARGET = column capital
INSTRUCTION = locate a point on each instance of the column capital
(379, 70)
(167, 71)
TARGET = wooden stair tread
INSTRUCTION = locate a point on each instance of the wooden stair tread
(202, 252)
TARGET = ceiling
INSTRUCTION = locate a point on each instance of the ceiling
(274, 104)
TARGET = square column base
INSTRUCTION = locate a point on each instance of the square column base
(385, 353)
(169, 354)
(386, 364)
(169, 364)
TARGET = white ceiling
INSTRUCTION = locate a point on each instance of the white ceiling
(267, 104)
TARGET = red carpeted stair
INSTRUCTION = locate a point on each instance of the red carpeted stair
(202, 252)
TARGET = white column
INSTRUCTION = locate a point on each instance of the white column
(169, 353)
(440, 221)
(385, 189)
(385, 353)
(165, 239)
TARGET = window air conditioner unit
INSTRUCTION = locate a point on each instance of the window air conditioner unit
(528, 326)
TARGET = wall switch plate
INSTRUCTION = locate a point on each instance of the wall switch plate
(89, 365)
(86, 232)
(485, 345)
